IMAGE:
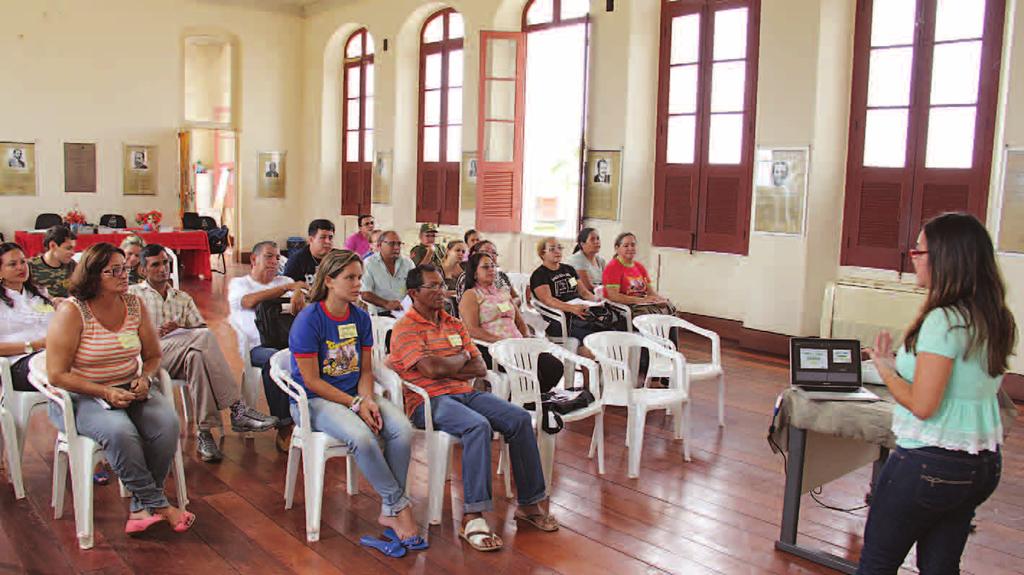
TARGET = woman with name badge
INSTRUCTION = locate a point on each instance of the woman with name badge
(25, 312)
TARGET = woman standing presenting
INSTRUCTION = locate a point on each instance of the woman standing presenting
(944, 379)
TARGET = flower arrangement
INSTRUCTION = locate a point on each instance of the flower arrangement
(151, 218)
(75, 217)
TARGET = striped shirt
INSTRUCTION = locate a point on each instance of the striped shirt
(414, 338)
(178, 306)
(104, 356)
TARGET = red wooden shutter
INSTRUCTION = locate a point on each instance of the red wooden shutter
(500, 131)
(428, 192)
(356, 134)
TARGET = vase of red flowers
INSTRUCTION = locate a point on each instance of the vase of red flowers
(149, 220)
(74, 219)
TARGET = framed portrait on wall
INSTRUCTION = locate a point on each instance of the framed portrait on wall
(382, 173)
(272, 174)
(780, 182)
(17, 169)
(602, 180)
(468, 185)
(139, 171)
(1011, 235)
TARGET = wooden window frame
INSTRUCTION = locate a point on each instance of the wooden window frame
(692, 216)
(884, 208)
(356, 176)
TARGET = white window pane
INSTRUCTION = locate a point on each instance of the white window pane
(682, 134)
(455, 68)
(367, 145)
(575, 8)
(682, 90)
(725, 143)
(368, 113)
(730, 34)
(950, 138)
(432, 107)
(958, 19)
(501, 58)
(354, 47)
(685, 39)
(352, 115)
(431, 144)
(727, 82)
(352, 146)
(499, 141)
(352, 82)
(369, 79)
(541, 11)
(432, 72)
(455, 106)
(955, 71)
(501, 101)
(892, 22)
(885, 138)
(369, 43)
(456, 27)
(889, 77)
(434, 31)
(454, 153)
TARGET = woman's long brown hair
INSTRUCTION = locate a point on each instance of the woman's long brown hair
(965, 279)
(332, 265)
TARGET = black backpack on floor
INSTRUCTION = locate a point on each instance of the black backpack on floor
(273, 323)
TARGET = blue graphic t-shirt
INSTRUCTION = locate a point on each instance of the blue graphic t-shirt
(336, 342)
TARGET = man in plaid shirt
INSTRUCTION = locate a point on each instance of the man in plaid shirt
(190, 352)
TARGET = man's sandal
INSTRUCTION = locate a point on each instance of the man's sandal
(477, 533)
(542, 521)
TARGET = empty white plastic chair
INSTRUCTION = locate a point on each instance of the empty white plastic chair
(15, 410)
(618, 354)
(657, 328)
(381, 327)
(625, 310)
(252, 379)
(81, 454)
(313, 447)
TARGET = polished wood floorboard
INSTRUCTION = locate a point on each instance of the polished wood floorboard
(718, 514)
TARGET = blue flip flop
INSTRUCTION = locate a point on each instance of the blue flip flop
(390, 548)
(414, 543)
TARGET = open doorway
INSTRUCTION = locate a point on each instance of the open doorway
(211, 159)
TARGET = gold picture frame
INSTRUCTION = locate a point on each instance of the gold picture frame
(383, 166)
(780, 183)
(18, 169)
(139, 170)
(272, 174)
(602, 184)
(467, 186)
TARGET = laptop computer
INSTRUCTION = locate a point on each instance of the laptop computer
(827, 368)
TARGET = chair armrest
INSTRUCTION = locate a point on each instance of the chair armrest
(626, 311)
(428, 415)
(716, 341)
(6, 382)
(679, 378)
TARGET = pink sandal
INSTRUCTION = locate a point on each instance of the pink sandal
(136, 526)
(185, 523)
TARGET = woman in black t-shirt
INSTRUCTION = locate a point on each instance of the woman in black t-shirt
(555, 285)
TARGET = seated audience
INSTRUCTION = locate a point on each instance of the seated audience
(471, 237)
(502, 281)
(52, 269)
(557, 286)
(586, 259)
(244, 294)
(331, 342)
(302, 264)
(94, 345)
(433, 350)
(190, 352)
(132, 246)
(25, 312)
(626, 281)
(454, 264)
(427, 251)
(360, 241)
(384, 275)
(374, 241)
(490, 315)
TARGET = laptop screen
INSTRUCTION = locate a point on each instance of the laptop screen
(833, 363)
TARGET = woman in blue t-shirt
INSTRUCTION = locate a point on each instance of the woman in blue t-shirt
(944, 379)
(331, 342)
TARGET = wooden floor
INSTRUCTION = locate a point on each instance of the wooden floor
(718, 514)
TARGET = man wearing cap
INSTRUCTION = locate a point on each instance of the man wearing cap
(428, 252)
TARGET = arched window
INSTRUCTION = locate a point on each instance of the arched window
(440, 125)
(357, 124)
(705, 138)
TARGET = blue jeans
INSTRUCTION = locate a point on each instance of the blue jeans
(386, 468)
(278, 401)
(926, 496)
(471, 417)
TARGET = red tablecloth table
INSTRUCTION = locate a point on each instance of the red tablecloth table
(193, 247)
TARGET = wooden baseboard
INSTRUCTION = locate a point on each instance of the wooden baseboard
(752, 339)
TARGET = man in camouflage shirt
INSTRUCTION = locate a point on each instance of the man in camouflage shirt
(52, 269)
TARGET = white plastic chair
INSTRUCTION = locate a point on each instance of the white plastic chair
(625, 310)
(520, 358)
(618, 354)
(382, 325)
(657, 328)
(252, 379)
(81, 454)
(15, 411)
(521, 284)
(313, 447)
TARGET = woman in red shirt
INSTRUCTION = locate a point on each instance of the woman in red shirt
(626, 281)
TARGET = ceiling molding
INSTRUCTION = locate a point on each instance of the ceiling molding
(289, 7)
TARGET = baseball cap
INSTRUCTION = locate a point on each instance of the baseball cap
(428, 228)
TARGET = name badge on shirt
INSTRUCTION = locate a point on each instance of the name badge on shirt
(504, 307)
(572, 282)
(455, 340)
(129, 340)
(43, 308)
(347, 331)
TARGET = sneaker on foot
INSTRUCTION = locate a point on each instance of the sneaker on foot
(207, 448)
(245, 418)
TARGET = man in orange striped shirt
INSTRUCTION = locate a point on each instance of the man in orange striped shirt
(433, 350)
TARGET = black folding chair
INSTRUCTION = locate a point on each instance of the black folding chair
(218, 238)
(47, 221)
(116, 221)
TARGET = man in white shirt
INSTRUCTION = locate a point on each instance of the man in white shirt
(244, 294)
(190, 352)
(384, 275)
